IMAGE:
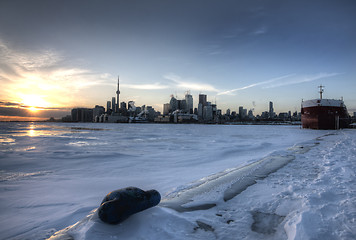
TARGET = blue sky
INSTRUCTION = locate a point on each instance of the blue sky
(56, 55)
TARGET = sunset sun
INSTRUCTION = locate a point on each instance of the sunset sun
(33, 109)
(34, 102)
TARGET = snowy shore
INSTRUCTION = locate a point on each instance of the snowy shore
(54, 175)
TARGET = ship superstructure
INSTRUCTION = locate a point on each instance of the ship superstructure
(324, 113)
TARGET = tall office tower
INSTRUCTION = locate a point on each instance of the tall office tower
(113, 104)
(166, 108)
(215, 109)
(271, 110)
(182, 105)
(228, 111)
(202, 99)
(189, 102)
(200, 110)
(244, 113)
(241, 109)
(108, 106)
(208, 111)
(179, 104)
(117, 95)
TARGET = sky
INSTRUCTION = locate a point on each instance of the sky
(57, 55)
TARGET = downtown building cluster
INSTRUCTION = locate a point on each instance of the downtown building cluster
(176, 111)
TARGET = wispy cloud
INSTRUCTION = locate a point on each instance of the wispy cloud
(303, 79)
(44, 73)
(230, 92)
(189, 84)
(19, 61)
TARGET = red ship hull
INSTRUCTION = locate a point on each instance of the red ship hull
(324, 117)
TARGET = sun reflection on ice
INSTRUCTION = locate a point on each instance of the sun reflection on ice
(32, 132)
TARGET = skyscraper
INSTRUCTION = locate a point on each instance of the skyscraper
(173, 103)
(108, 106)
(241, 109)
(202, 99)
(189, 102)
(271, 110)
(166, 108)
(113, 104)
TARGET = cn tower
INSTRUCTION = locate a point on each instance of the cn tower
(118, 94)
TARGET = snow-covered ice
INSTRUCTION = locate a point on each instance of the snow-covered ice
(254, 182)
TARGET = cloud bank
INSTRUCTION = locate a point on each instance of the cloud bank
(43, 74)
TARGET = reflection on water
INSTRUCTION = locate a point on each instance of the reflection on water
(30, 148)
(9, 132)
(6, 140)
(29, 136)
(91, 129)
(31, 132)
(79, 144)
(36, 132)
(10, 176)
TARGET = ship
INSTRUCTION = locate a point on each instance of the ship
(324, 113)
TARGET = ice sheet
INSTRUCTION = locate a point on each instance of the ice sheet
(54, 174)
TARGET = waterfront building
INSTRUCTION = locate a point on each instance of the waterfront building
(97, 112)
(82, 114)
(283, 116)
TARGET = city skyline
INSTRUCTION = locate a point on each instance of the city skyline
(55, 56)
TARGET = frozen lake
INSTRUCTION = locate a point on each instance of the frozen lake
(53, 174)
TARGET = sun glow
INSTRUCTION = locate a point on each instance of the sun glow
(34, 102)
(33, 109)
